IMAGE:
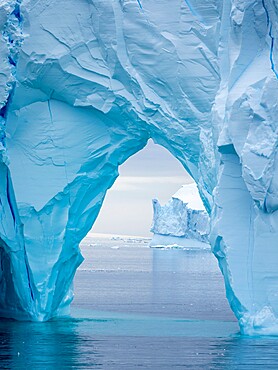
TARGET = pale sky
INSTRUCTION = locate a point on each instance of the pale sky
(151, 173)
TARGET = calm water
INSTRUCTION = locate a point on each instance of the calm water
(139, 308)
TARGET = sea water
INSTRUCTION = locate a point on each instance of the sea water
(137, 307)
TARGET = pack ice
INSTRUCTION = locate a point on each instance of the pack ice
(85, 84)
(182, 222)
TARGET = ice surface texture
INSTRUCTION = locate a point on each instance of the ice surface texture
(85, 84)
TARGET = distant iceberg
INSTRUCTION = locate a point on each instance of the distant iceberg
(182, 222)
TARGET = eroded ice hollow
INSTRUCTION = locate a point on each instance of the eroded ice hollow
(84, 85)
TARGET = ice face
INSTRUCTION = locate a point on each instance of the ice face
(80, 94)
(178, 218)
(244, 216)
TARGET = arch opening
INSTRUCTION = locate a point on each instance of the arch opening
(128, 276)
(150, 173)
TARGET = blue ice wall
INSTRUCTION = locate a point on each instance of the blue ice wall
(85, 84)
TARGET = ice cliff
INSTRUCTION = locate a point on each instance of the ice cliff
(84, 85)
(182, 221)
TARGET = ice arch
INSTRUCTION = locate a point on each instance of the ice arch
(84, 84)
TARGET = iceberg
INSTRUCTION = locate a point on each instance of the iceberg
(182, 222)
(85, 84)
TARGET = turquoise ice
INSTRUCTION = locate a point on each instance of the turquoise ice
(85, 84)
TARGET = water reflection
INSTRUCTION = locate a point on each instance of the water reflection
(197, 330)
(54, 344)
(190, 281)
(245, 353)
(184, 260)
(79, 343)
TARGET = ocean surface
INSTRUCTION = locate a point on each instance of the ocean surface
(137, 307)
